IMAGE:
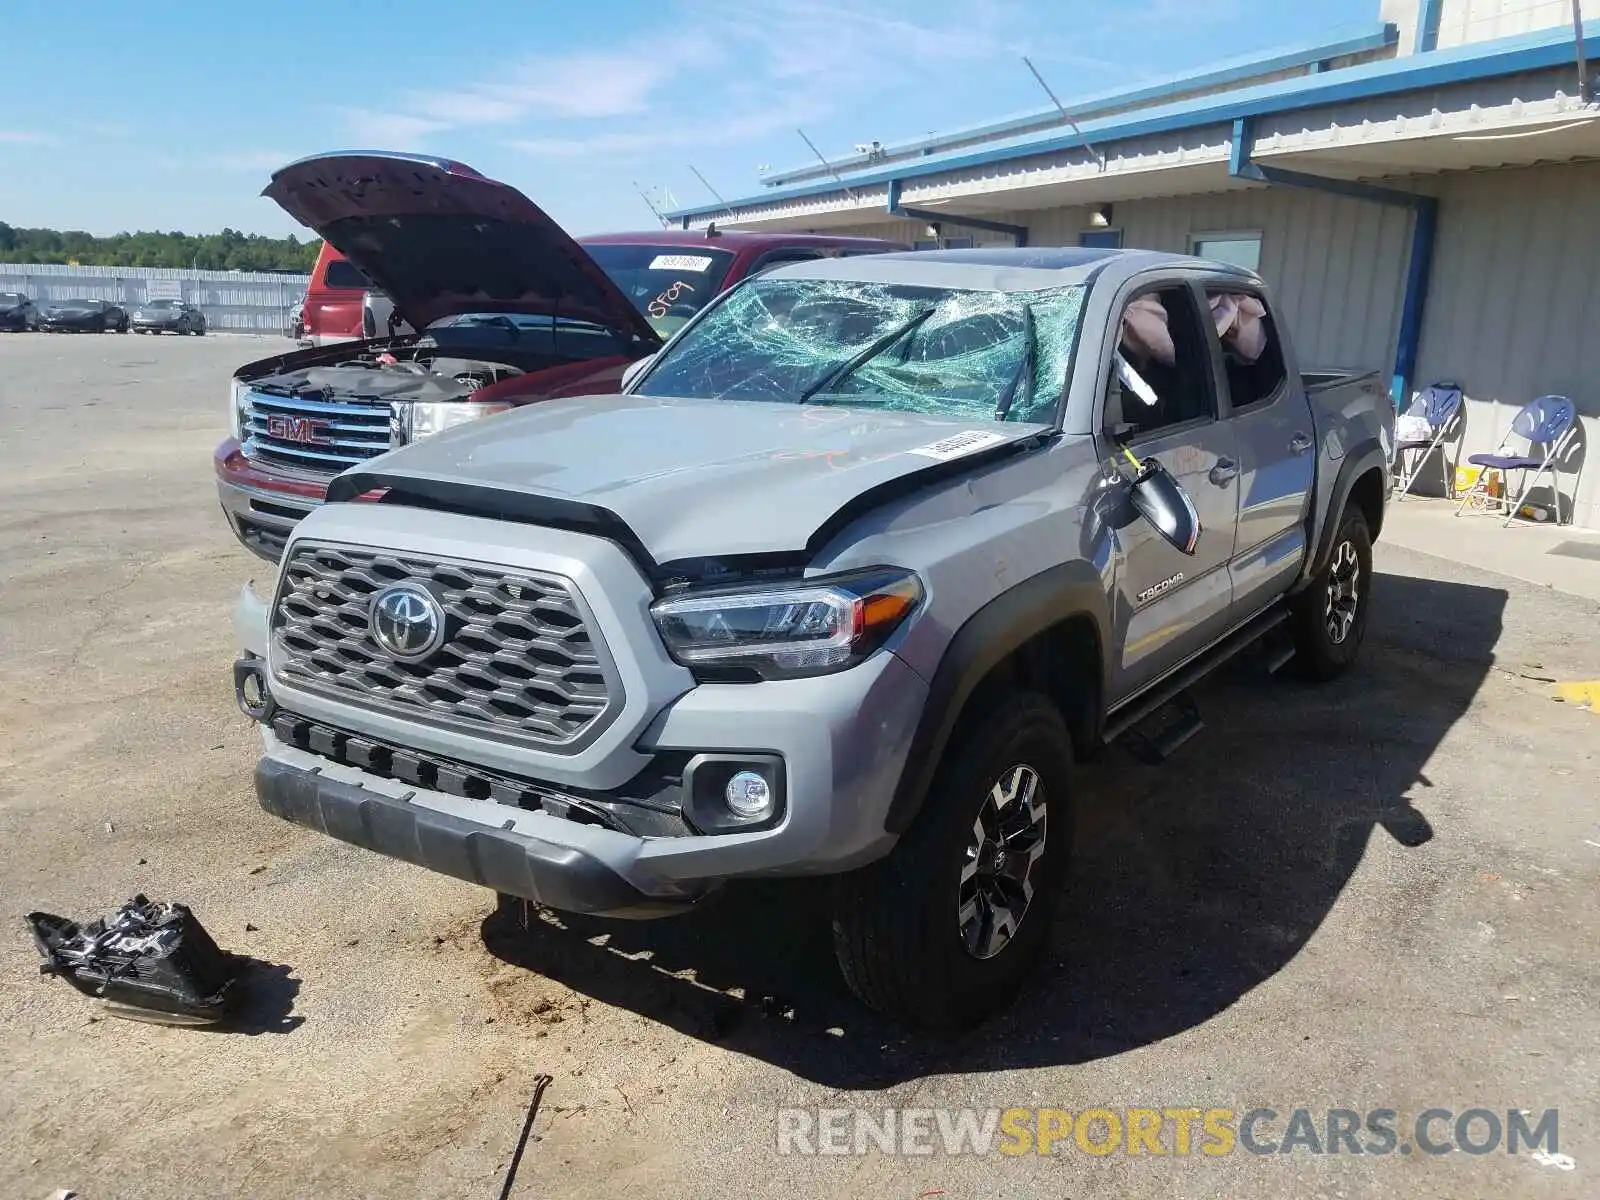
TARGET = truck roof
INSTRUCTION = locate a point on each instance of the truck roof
(1002, 269)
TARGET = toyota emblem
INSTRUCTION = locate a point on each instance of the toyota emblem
(407, 622)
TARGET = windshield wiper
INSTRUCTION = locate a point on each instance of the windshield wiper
(840, 373)
(1024, 371)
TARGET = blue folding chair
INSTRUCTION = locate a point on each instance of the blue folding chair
(1439, 406)
(1549, 422)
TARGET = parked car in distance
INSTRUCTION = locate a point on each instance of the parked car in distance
(333, 309)
(511, 311)
(842, 587)
(169, 316)
(17, 312)
(83, 316)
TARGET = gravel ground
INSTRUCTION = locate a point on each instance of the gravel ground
(1381, 894)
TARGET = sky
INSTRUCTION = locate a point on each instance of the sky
(149, 116)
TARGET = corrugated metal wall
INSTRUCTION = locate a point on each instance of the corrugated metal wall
(1514, 311)
(1484, 20)
(241, 301)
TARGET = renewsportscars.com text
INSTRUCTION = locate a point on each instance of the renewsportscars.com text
(1173, 1132)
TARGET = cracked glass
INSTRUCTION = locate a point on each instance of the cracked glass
(941, 351)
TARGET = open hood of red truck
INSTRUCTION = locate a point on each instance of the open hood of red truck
(440, 239)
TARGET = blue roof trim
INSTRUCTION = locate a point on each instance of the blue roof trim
(1229, 71)
(1538, 51)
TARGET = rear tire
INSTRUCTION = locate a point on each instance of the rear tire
(1329, 618)
(945, 930)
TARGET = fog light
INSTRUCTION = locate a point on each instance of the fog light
(749, 795)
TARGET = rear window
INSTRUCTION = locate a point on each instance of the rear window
(343, 274)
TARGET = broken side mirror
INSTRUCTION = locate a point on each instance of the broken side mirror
(1161, 500)
(635, 370)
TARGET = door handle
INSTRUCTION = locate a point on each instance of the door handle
(1225, 472)
(1299, 443)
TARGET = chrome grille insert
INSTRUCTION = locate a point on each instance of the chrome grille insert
(320, 436)
(519, 660)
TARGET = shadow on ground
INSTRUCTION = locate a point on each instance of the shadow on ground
(1192, 883)
(267, 1002)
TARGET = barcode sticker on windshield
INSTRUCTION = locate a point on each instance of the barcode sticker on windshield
(681, 262)
(959, 445)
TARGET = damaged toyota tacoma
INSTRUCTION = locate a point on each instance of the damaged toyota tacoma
(840, 586)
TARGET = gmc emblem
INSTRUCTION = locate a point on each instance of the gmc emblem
(306, 430)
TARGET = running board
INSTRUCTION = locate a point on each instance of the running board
(1120, 720)
(1164, 732)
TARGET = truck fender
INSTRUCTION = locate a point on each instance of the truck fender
(1365, 456)
(994, 632)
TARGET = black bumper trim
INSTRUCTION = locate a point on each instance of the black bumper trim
(510, 863)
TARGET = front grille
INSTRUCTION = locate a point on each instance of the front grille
(519, 661)
(315, 435)
(647, 806)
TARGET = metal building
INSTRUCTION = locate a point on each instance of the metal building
(1423, 197)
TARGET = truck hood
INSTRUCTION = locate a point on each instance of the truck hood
(685, 480)
(440, 239)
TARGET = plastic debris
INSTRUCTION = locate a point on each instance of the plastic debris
(147, 961)
(1562, 1162)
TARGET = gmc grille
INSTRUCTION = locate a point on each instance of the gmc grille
(321, 437)
(519, 661)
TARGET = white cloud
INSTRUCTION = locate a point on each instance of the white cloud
(370, 129)
(20, 137)
(722, 73)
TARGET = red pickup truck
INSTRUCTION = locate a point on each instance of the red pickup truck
(510, 311)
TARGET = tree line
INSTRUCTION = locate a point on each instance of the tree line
(229, 250)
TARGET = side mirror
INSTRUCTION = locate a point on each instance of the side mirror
(1160, 499)
(635, 370)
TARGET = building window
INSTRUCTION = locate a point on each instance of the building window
(1100, 239)
(1239, 249)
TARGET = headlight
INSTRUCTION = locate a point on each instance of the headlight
(807, 628)
(237, 393)
(425, 420)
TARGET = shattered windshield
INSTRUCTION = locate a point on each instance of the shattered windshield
(943, 351)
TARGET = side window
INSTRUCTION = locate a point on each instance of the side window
(1167, 376)
(1251, 352)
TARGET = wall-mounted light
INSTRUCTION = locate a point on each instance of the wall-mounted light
(1100, 217)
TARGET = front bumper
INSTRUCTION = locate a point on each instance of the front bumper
(261, 507)
(56, 326)
(158, 326)
(459, 843)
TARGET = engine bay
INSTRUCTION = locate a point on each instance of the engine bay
(417, 374)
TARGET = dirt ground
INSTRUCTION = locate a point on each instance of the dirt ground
(1377, 894)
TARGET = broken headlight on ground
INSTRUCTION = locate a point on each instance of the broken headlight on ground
(148, 961)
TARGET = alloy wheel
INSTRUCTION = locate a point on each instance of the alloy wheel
(1344, 593)
(997, 872)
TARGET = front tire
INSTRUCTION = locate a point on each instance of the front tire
(1329, 618)
(945, 930)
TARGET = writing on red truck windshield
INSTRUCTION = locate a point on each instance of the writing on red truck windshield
(668, 284)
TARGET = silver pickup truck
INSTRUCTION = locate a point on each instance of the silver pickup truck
(842, 585)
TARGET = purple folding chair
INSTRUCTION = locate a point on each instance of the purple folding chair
(1550, 423)
(1439, 405)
